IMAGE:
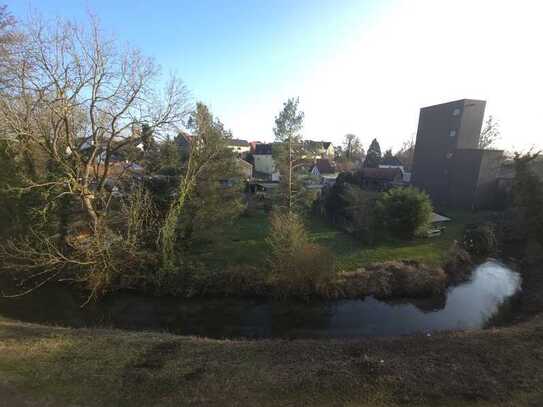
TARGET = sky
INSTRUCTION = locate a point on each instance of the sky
(364, 67)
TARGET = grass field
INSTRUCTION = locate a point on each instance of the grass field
(245, 243)
(48, 366)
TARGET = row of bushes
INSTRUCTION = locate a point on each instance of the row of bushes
(370, 216)
(393, 279)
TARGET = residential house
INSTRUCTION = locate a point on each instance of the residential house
(239, 147)
(391, 162)
(245, 168)
(319, 149)
(325, 170)
(381, 179)
(265, 166)
(252, 146)
(394, 162)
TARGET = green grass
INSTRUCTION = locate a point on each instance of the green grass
(244, 243)
(49, 366)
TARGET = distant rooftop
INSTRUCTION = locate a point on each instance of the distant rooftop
(263, 149)
(387, 174)
(238, 142)
(324, 166)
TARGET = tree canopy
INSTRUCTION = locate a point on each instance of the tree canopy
(289, 152)
(373, 155)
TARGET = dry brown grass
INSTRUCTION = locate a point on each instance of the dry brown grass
(394, 279)
(59, 366)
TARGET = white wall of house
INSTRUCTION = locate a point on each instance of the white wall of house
(330, 152)
(264, 163)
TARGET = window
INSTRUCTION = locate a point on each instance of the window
(452, 133)
(456, 112)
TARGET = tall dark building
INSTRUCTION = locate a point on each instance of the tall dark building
(448, 163)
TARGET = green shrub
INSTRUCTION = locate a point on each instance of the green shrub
(242, 280)
(458, 264)
(480, 240)
(362, 220)
(314, 271)
(297, 267)
(405, 211)
(286, 239)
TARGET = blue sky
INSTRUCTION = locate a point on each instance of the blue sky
(364, 67)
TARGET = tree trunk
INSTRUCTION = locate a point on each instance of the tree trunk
(89, 209)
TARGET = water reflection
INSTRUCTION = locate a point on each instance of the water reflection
(469, 305)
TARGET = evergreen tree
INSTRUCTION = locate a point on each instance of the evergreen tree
(373, 156)
(289, 153)
(216, 197)
(204, 199)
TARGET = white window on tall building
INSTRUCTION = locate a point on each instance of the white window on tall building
(452, 133)
(456, 112)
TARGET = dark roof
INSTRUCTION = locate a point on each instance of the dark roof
(385, 174)
(324, 166)
(238, 142)
(263, 149)
(391, 161)
(183, 138)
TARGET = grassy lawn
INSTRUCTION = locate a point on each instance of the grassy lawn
(49, 366)
(245, 243)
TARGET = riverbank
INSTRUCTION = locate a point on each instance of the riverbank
(60, 367)
(98, 367)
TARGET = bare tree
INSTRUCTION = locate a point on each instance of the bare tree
(490, 133)
(406, 153)
(76, 98)
(8, 38)
(352, 147)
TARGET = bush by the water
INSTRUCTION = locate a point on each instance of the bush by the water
(406, 211)
(394, 279)
(297, 266)
(458, 263)
(480, 240)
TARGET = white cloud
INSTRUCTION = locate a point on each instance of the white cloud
(421, 52)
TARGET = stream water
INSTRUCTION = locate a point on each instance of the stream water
(469, 305)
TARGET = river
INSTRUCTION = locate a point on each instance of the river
(469, 305)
